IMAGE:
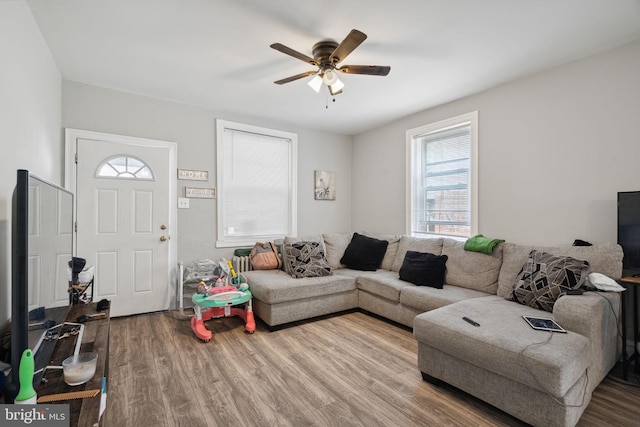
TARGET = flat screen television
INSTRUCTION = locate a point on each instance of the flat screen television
(629, 229)
(41, 248)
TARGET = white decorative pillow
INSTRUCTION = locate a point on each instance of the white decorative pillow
(604, 283)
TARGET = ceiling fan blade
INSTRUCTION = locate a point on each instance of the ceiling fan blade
(287, 50)
(296, 77)
(347, 46)
(372, 70)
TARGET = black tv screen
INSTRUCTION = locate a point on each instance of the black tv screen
(41, 246)
(629, 228)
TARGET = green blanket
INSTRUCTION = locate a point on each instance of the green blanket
(482, 244)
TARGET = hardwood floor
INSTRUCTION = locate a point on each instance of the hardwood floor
(347, 370)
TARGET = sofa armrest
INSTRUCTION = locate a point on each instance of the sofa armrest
(594, 315)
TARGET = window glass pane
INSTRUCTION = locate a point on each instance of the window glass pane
(124, 167)
(445, 182)
(441, 178)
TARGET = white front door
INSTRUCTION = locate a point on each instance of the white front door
(125, 220)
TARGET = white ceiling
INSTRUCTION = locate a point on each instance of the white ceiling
(215, 53)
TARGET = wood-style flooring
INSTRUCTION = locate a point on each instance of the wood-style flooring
(352, 369)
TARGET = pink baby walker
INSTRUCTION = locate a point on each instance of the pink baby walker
(215, 301)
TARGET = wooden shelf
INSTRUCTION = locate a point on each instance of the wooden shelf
(83, 412)
(631, 279)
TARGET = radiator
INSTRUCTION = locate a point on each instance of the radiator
(241, 264)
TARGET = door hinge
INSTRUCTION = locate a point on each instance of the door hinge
(76, 158)
(75, 226)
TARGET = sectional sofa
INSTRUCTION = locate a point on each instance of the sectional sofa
(540, 377)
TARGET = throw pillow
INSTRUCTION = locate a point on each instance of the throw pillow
(290, 239)
(364, 253)
(423, 269)
(335, 245)
(603, 283)
(306, 259)
(544, 277)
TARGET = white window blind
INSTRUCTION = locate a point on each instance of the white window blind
(442, 178)
(257, 184)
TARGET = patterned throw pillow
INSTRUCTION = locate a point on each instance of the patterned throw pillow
(306, 259)
(544, 277)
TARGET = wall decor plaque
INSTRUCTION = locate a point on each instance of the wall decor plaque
(200, 193)
(193, 175)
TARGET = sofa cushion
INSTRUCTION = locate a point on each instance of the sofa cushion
(423, 269)
(382, 283)
(505, 344)
(276, 286)
(544, 277)
(364, 253)
(472, 270)
(306, 259)
(423, 298)
(335, 245)
(430, 245)
(605, 258)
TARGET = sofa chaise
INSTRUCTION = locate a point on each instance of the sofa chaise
(540, 377)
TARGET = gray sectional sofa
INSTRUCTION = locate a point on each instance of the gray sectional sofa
(542, 378)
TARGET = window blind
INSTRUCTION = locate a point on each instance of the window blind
(256, 180)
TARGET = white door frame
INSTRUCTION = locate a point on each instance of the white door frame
(71, 147)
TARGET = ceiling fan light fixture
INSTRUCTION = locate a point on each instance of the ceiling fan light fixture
(337, 86)
(315, 83)
(330, 77)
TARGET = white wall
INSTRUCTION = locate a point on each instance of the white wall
(554, 149)
(97, 109)
(30, 112)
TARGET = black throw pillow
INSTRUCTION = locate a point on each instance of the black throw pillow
(423, 269)
(364, 253)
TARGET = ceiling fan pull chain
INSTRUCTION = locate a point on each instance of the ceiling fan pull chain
(326, 101)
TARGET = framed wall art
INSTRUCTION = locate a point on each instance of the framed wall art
(325, 185)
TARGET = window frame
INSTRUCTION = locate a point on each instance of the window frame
(411, 185)
(222, 163)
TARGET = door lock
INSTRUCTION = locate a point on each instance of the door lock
(163, 227)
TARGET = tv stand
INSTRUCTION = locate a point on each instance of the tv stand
(95, 338)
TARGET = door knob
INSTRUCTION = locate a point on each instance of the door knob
(163, 238)
(163, 227)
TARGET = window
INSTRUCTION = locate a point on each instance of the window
(442, 178)
(256, 174)
(124, 167)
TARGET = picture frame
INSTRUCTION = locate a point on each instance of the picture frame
(325, 185)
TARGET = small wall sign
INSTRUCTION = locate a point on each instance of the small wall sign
(193, 175)
(200, 193)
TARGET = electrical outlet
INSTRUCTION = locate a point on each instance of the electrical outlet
(183, 203)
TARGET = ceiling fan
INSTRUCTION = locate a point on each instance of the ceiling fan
(327, 54)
